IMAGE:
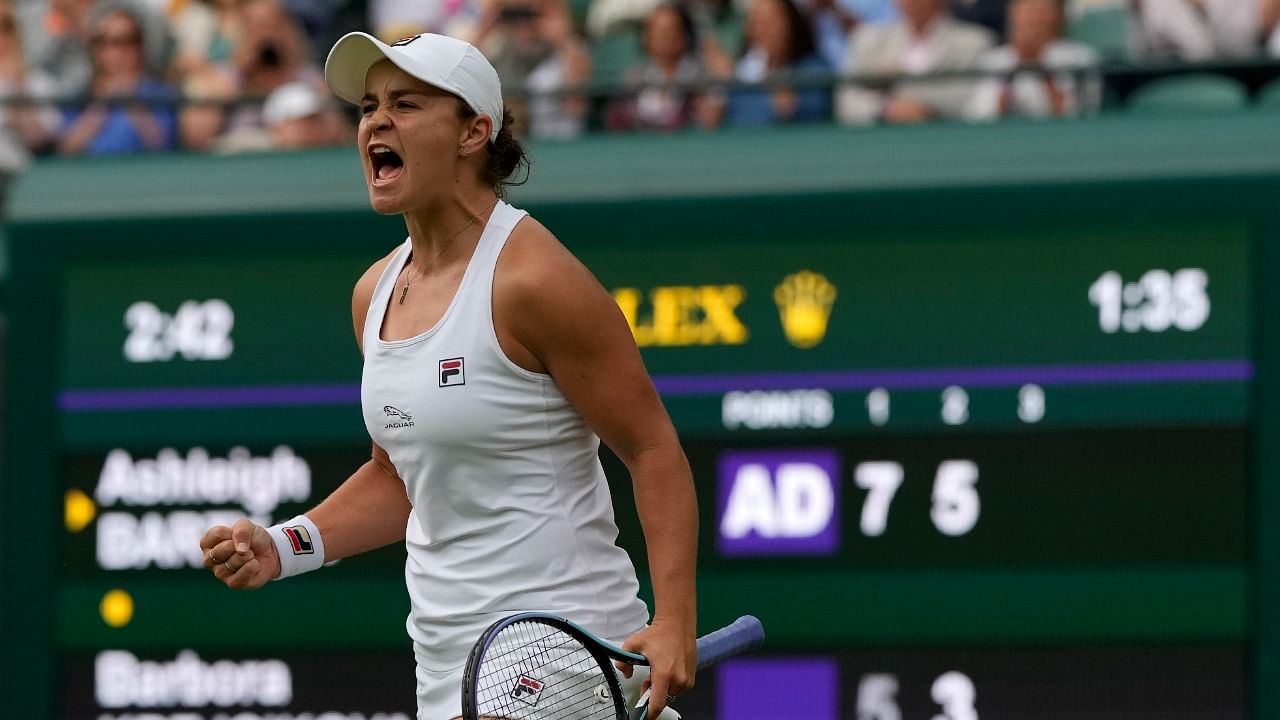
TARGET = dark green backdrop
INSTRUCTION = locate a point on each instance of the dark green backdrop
(1135, 511)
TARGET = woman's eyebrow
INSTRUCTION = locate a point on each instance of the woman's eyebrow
(395, 94)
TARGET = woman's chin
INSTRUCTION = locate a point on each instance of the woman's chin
(384, 205)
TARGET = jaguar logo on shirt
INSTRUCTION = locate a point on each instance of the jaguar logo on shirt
(452, 372)
(398, 417)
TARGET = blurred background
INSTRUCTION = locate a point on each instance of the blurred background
(961, 308)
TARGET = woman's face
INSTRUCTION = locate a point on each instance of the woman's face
(769, 28)
(408, 138)
(664, 38)
(117, 45)
(1033, 24)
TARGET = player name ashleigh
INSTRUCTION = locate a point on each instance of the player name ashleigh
(259, 484)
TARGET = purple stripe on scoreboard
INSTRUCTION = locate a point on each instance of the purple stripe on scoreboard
(1209, 371)
(208, 397)
(971, 377)
(773, 688)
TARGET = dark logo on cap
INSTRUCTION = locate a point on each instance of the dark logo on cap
(405, 40)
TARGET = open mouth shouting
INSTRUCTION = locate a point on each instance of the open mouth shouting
(386, 165)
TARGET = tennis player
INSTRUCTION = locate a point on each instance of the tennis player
(494, 363)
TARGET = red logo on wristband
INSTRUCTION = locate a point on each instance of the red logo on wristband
(300, 539)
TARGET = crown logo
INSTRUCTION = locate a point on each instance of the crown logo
(804, 302)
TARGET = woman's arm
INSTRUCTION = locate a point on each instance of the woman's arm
(366, 512)
(370, 509)
(553, 316)
(82, 130)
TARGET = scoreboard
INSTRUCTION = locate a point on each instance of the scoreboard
(960, 467)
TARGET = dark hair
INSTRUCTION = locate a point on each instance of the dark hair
(687, 27)
(800, 34)
(505, 153)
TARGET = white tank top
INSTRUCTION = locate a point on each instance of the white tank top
(511, 509)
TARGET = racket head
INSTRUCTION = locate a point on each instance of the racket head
(536, 666)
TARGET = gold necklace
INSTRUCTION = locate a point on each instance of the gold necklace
(409, 279)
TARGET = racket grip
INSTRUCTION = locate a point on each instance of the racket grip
(743, 634)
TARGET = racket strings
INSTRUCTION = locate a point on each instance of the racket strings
(532, 671)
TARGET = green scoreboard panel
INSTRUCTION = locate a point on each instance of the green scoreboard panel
(960, 469)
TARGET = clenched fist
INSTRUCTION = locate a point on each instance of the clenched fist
(243, 556)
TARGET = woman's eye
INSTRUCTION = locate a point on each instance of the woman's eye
(404, 105)
(367, 109)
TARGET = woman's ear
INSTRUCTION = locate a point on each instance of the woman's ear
(475, 133)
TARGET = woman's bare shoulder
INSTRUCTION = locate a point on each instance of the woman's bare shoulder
(362, 296)
(533, 252)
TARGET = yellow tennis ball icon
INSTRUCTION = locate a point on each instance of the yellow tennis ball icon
(116, 608)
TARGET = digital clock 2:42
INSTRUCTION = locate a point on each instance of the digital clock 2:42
(197, 331)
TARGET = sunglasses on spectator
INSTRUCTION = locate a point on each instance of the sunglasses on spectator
(129, 40)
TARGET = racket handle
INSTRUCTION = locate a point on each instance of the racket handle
(743, 634)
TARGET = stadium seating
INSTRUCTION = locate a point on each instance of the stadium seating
(1269, 97)
(1105, 30)
(1196, 93)
(612, 54)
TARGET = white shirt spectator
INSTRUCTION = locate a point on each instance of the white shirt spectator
(394, 19)
(892, 49)
(1026, 92)
(1195, 30)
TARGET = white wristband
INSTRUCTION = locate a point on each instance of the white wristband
(299, 546)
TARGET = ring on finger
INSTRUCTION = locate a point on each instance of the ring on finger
(228, 567)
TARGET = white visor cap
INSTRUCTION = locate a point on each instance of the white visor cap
(450, 64)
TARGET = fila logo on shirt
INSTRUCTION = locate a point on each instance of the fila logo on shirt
(452, 372)
(399, 418)
(527, 690)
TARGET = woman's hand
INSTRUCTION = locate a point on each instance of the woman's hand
(673, 659)
(243, 556)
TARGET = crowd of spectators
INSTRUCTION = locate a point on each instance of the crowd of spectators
(100, 77)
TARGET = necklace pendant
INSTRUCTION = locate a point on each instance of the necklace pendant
(404, 292)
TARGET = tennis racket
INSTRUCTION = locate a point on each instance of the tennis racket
(535, 666)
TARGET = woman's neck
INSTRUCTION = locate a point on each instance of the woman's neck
(117, 83)
(438, 233)
(667, 66)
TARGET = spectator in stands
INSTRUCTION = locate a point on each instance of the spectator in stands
(126, 110)
(1271, 25)
(537, 54)
(927, 40)
(835, 20)
(61, 48)
(194, 25)
(1198, 30)
(24, 128)
(657, 91)
(991, 14)
(207, 32)
(270, 51)
(1019, 81)
(301, 116)
(391, 20)
(778, 47)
